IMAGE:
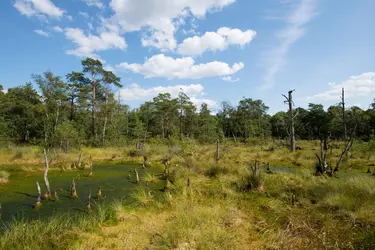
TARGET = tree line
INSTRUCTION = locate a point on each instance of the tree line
(83, 109)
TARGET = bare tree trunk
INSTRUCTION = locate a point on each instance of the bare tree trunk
(38, 202)
(47, 195)
(56, 121)
(289, 100)
(217, 151)
(343, 111)
(79, 160)
(136, 176)
(73, 190)
(71, 108)
(105, 119)
(90, 174)
(93, 108)
(348, 145)
(89, 210)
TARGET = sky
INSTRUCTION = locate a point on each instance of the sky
(214, 50)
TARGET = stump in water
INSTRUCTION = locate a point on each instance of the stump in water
(268, 170)
(56, 197)
(136, 176)
(73, 166)
(47, 195)
(38, 202)
(79, 160)
(90, 162)
(146, 163)
(73, 190)
(89, 210)
(99, 192)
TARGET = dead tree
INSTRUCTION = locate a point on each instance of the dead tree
(217, 151)
(47, 195)
(99, 193)
(73, 166)
(89, 204)
(343, 112)
(73, 190)
(38, 202)
(136, 176)
(79, 160)
(348, 145)
(321, 166)
(289, 101)
(90, 163)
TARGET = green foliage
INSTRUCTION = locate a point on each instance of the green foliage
(67, 136)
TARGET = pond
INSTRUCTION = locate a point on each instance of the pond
(19, 195)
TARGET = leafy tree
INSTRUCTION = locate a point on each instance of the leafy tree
(97, 76)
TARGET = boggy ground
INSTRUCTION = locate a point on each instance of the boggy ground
(293, 210)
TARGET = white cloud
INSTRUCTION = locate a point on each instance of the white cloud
(110, 68)
(57, 29)
(355, 86)
(135, 92)
(96, 3)
(89, 44)
(70, 18)
(295, 28)
(215, 41)
(199, 101)
(183, 68)
(160, 18)
(38, 8)
(229, 79)
(83, 14)
(41, 32)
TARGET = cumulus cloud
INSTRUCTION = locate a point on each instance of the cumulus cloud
(42, 33)
(38, 8)
(182, 68)
(160, 18)
(355, 86)
(294, 29)
(229, 79)
(87, 45)
(95, 3)
(135, 92)
(215, 41)
(57, 29)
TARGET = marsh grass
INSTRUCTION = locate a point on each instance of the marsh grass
(210, 213)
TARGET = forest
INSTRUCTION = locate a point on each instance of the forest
(82, 108)
(171, 175)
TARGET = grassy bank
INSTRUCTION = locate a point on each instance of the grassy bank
(293, 210)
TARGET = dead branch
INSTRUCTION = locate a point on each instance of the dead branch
(348, 145)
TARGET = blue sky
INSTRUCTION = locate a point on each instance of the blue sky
(216, 50)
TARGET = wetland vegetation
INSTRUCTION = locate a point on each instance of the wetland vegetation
(79, 170)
